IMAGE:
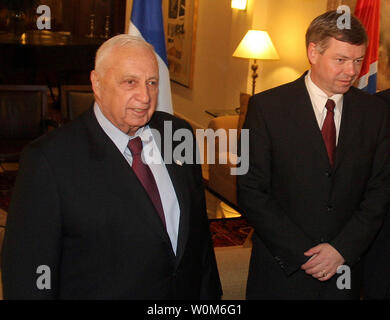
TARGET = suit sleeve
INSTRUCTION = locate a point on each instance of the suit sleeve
(31, 253)
(282, 237)
(360, 231)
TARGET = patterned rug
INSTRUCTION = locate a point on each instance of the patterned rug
(229, 232)
(224, 232)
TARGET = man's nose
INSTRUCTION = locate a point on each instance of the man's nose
(352, 69)
(143, 93)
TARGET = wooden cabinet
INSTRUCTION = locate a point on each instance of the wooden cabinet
(76, 16)
(65, 53)
(72, 16)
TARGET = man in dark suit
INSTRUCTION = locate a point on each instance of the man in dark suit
(94, 217)
(377, 262)
(319, 172)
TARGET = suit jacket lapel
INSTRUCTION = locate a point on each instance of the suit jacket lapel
(350, 124)
(108, 163)
(303, 114)
(177, 175)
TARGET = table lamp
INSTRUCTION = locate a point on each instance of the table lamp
(256, 45)
(238, 4)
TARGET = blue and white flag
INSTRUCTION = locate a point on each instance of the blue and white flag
(147, 22)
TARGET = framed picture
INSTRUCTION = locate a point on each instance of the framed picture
(383, 78)
(181, 34)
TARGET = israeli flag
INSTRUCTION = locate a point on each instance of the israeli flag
(147, 22)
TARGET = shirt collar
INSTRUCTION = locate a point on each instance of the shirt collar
(320, 96)
(117, 136)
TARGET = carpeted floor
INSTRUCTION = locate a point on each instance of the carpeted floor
(233, 266)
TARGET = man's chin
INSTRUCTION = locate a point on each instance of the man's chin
(133, 126)
(342, 89)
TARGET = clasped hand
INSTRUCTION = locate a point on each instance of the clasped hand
(323, 263)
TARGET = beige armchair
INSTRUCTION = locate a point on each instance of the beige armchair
(221, 181)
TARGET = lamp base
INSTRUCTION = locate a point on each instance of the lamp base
(254, 76)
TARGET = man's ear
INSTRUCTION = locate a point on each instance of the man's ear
(95, 83)
(312, 53)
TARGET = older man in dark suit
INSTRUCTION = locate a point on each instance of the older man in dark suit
(95, 217)
(377, 262)
(319, 172)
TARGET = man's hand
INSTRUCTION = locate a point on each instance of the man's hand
(324, 261)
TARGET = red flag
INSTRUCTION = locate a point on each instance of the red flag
(368, 12)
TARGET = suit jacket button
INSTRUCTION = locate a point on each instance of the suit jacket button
(329, 208)
(328, 174)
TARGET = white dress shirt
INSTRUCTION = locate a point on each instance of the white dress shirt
(318, 100)
(154, 159)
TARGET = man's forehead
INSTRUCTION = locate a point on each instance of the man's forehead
(341, 48)
(131, 50)
(129, 55)
(333, 42)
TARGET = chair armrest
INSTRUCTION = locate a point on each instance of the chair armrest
(224, 122)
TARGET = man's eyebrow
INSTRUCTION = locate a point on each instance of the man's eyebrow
(129, 76)
(345, 57)
(137, 77)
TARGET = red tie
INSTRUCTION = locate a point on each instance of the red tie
(329, 131)
(145, 176)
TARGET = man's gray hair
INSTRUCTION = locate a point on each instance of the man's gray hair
(121, 40)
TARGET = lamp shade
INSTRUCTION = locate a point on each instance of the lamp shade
(256, 45)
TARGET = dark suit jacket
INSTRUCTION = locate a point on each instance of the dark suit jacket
(377, 264)
(79, 208)
(385, 95)
(295, 200)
